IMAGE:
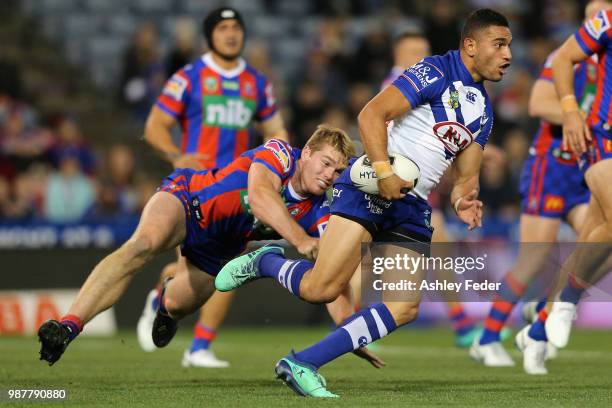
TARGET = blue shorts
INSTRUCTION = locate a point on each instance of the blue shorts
(551, 185)
(600, 149)
(404, 220)
(205, 247)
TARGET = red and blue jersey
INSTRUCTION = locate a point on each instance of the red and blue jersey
(216, 108)
(594, 37)
(549, 135)
(219, 219)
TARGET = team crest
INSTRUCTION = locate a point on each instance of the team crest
(453, 100)
(598, 25)
(211, 84)
(248, 89)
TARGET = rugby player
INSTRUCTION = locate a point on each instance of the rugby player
(212, 215)
(593, 140)
(441, 115)
(408, 49)
(552, 189)
(216, 100)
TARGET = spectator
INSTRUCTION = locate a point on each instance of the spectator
(143, 72)
(70, 142)
(70, 194)
(185, 46)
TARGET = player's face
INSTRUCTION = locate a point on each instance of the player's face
(321, 168)
(492, 55)
(228, 38)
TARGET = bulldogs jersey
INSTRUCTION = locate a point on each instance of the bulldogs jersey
(216, 108)
(449, 112)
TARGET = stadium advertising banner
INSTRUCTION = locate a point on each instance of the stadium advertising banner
(23, 311)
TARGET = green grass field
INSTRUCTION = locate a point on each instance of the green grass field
(423, 370)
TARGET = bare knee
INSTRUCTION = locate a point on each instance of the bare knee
(317, 292)
(404, 313)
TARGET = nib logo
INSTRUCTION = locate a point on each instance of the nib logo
(228, 112)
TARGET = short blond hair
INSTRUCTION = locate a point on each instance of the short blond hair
(335, 137)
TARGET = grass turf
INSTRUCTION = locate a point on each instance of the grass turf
(423, 370)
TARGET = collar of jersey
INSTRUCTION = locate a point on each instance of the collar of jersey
(294, 194)
(208, 60)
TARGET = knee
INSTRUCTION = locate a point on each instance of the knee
(318, 293)
(406, 313)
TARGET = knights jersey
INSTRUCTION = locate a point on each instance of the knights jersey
(449, 112)
(585, 86)
(594, 37)
(219, 198)
(216, 108)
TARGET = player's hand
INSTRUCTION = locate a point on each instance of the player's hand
(191, 161)
(469, 210)
(309, 247)
(370, 357)
(393, 187)
(576, 132)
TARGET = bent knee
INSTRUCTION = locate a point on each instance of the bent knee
(406, 313)
(319, 292)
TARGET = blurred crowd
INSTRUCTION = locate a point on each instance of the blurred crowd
(49, 171)
(344, 58)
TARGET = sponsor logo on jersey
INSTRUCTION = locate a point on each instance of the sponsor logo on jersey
(227, 112)
(553, 203)
(175, 87)
(453, 100)
(598, 24)
(211, 84)
(249, 89)
(453, 135)
(281, 152)
(422, 75)
(471, 97)
(270, 98)
(230, 85)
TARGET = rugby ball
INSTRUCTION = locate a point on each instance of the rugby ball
(364, 177)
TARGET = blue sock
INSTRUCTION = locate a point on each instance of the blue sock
(538, 330)
(540, 305)
(359, 330)
(155, 303)
(572, 291)
(288, 273)
(202, 337)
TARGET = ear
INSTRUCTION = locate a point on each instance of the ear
(306, 153)
(469, 45)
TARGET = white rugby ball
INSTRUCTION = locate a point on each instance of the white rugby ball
(364, 177)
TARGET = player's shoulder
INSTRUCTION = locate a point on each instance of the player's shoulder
(282, 151)
(599, 23)
(190, 70)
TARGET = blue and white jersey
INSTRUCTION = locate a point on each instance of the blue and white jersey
(449, 112)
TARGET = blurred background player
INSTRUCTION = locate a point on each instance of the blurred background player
(593, 141)
(207, 212)
(215, 100)
(552, 189)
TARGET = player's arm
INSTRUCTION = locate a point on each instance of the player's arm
(268, 207)
(544, 102)
(157, 134)
(387, 105)
(575, 129)
(274, 128)
(466, 170)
